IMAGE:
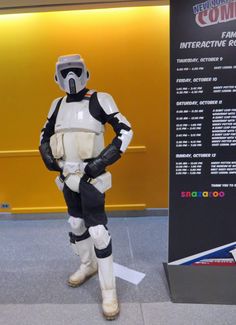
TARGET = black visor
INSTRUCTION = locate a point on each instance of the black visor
(77, 71)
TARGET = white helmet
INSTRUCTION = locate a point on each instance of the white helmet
(71, 73)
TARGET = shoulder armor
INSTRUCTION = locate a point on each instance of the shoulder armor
(53, 107)
(107, 103)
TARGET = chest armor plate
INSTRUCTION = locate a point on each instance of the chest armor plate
(75, 116)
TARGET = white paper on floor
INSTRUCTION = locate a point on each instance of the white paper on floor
(233, 252)
(127, 274)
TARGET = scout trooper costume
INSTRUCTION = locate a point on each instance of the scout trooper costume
(72, 143)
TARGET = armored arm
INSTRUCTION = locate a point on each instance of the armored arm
(122, 128)
(47, 131)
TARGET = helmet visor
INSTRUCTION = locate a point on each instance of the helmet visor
(77, 71)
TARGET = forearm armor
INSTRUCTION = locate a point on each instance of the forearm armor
(48, 159)
(107, 157)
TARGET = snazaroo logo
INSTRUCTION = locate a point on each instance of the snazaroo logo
(213, 12)
(204, 194)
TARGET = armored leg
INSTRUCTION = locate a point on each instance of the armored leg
(103, 250)
(82, 245)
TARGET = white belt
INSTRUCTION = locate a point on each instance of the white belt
(73, 168)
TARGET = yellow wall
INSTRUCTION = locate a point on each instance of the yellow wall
(127, 53)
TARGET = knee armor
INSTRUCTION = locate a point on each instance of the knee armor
(102, 241)
(77, 226)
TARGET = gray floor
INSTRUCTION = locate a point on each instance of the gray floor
(35, 261)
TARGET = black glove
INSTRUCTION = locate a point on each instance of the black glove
(47, 156)
(107, 157)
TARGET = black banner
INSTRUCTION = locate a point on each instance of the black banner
(203, 126)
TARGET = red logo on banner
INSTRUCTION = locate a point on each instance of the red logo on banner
(214, 12)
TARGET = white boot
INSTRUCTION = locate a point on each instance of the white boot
(110, 304)
(88, 266)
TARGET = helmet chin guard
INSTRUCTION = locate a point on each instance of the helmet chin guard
(71, 73)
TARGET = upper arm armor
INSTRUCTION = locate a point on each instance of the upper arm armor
(119, 123)
(53, 107)
(48, 128)
(46, 133)
(107, 103)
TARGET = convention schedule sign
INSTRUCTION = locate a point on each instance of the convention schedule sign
(203, 126)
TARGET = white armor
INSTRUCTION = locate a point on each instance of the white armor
(72, 142)
(85, 250)
(71, 73)
(79, 136)
(77, 225)
(75, 116)
(100, 236)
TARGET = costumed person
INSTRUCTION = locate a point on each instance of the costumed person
(72, 143)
